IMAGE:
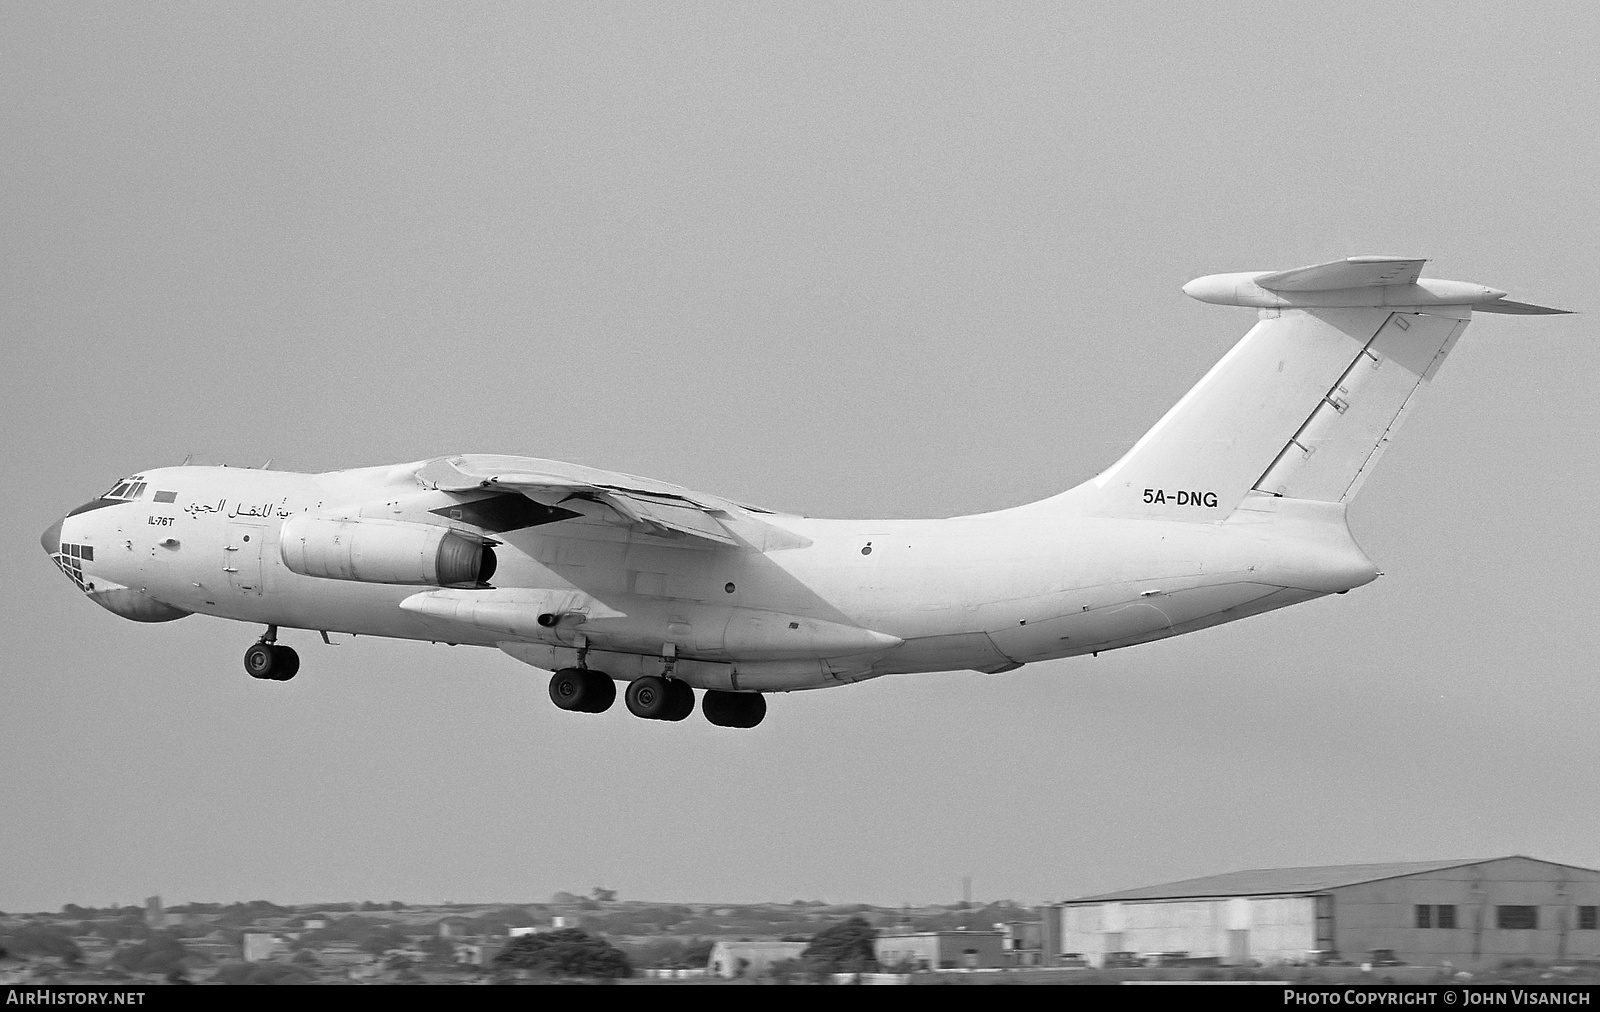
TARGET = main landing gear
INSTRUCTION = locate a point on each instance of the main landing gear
(582, 690)
(654, 698)
(266, 659)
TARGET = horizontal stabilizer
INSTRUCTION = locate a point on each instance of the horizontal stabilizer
(1353, 283)
(1518, 308)
(1351, 272)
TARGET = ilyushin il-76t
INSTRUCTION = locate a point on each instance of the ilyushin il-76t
(1232, 505)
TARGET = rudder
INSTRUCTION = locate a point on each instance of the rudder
(1330, 456)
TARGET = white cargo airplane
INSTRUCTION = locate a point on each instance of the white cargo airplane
(1232, 505)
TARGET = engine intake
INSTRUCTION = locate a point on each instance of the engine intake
(383, 551)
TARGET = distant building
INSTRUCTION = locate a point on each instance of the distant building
(259, 946)
(750, 959)
(1471, 914)
(1022, 941)
(477, 953)
(214, 946)
(674, 972)
(344, 954)
(557, 923)
(455, 927)
(941, 950)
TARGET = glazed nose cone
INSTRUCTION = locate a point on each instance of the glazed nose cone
(51, 539)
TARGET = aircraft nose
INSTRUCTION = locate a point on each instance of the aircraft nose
(51, 539)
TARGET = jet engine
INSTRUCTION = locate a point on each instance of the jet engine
(384, 551)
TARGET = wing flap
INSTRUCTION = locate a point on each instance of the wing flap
(656, 507)
(673, 516)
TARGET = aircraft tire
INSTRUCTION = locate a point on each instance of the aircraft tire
(733, 709)
(261, 661)
(648, 697)
(599, 692)
(286, 663)
(680, 698)
(753, 709)
(570, 689)
(714, 705)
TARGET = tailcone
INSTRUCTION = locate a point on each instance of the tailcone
(1309, 545)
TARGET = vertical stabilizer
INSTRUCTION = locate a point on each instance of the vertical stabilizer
(1305, 404)
(1201, 459)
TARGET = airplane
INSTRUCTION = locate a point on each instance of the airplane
(1232, 505)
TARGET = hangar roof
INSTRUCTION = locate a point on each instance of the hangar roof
(1276, 881)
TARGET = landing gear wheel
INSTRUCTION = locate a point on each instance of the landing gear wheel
(755, 710)
(680, 700)
(286, 663)
(261, 661)
(649, 697)
(566, 688)
(582, 691)
(733, 709)
(601, 693)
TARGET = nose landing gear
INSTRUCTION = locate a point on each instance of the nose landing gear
(267, 660)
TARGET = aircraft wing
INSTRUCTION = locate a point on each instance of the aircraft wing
(654, 506)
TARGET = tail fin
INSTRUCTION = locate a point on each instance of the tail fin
(1306, 402)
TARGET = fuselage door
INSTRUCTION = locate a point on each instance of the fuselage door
(241, 559)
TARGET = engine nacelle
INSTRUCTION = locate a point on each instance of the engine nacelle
(383, 551)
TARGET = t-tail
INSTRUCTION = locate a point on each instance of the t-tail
(1304, 405)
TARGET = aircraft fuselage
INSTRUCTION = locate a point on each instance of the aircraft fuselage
(805, 603)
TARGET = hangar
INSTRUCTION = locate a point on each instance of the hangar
(1471, 914)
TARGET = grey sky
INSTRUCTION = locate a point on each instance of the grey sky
(911, 260)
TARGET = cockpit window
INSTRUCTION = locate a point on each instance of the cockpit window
(126, 490)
